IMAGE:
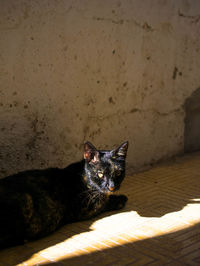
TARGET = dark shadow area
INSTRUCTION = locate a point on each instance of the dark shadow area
(179, 248)
(192, 122)
(18, 254)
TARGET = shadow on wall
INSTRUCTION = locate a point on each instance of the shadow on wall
(192, 122)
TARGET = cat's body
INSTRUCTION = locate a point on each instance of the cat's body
(35, 203)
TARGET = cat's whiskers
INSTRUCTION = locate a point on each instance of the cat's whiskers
(93, 196)
(90, 196)
(86, 196)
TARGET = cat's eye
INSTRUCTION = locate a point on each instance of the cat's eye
(100, 174)
(118, 172)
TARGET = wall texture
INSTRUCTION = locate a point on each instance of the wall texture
(97, 70)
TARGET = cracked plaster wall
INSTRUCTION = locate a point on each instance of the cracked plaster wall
(103, 71)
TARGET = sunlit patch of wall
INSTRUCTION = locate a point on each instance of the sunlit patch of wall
(103, 71)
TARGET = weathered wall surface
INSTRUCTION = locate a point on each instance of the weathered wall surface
(103, 71)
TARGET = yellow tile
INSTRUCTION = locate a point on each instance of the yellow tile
(34, 260)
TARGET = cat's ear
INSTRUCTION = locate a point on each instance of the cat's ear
(90, 153)
(121, 151)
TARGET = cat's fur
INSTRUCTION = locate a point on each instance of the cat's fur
(35, 203)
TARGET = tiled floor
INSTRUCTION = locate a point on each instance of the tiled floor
(159, 226)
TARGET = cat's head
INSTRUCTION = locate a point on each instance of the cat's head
(105, 169)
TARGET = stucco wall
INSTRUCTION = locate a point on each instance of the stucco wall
(97, 70)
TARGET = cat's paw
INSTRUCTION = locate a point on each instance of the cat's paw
(117, 202)
(121, 201)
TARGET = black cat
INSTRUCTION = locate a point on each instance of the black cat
(35, 203)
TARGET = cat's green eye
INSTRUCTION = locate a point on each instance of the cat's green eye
(100, 174)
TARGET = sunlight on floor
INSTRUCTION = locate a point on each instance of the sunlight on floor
(120, 229)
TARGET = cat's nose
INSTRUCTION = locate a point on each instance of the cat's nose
(111, 188)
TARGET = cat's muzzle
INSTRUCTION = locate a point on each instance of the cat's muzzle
(111, 188)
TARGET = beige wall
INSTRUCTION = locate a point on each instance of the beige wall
(97, 70)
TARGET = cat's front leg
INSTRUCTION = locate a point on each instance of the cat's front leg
(115, 202)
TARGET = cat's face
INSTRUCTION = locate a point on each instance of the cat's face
(105, 170)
